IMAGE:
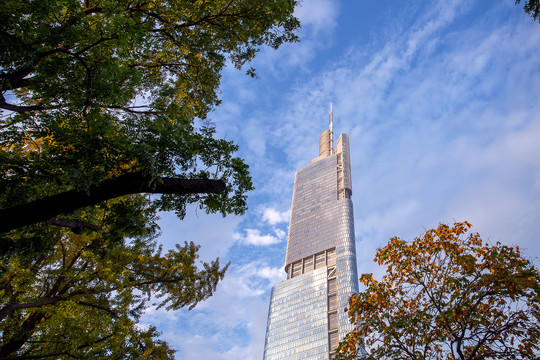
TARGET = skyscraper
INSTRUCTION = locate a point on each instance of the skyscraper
(306, 318)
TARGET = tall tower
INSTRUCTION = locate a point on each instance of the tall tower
(307, 317)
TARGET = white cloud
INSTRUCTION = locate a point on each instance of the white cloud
(272, 274)
(213, 232)
(320, 15)
(254, 237)
(280, 234)
(274, 217)
(318, 20)
(215, 328)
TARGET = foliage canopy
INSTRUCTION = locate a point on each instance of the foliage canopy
(102, 101)
(91, 90)
(447, 296)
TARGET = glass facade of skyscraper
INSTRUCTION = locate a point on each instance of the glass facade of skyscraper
(307, 316)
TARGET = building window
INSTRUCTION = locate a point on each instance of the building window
(308, 264)
(319, 261)
(297, 268)
(332, 286)
(333, 340)
(332, 302)
(331, 257)
(332, 321)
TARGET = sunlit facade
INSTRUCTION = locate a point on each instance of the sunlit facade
(307, 317)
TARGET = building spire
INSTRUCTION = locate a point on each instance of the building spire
(326, 140)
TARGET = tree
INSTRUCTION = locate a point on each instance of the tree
(447, 296)
(531, 7)
(95, 90)
(102, 102)
(83, 298)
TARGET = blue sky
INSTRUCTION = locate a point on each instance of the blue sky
(440, 101)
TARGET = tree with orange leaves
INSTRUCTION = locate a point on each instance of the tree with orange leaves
(447, 295)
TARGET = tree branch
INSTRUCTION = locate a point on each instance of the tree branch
(18, 339)
(27, 357)
(17, 108)
(76, 226)
(133, 183)
(8, 309)
(16, 83)
(130, 109)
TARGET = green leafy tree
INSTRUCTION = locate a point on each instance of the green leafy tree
(100, 98)
(447, 296)
(101, 103)
(83, 297)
